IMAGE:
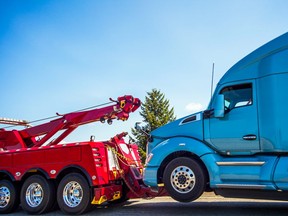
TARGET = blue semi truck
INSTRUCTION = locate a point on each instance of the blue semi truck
(238, 147)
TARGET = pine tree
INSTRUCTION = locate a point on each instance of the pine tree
(156, 112)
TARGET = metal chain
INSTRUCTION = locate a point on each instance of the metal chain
(119, 155)
(122, 174)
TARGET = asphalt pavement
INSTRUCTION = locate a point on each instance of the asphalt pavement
(207, 204)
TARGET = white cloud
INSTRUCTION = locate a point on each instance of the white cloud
(194, 107)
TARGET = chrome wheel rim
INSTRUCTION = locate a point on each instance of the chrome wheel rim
(4, 196)
(34, 195)
(72, 194)
(183, 179)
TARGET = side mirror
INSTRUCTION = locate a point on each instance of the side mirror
(137, 126)
(140, 129)
(219, 109)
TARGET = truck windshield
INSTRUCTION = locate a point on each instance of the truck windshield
(237, 95)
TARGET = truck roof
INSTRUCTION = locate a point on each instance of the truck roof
(271, 58)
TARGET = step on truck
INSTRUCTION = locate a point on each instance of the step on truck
(238, 147)
(40, 173)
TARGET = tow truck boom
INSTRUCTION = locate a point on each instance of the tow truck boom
(30, 136)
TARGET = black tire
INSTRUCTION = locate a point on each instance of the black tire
(37, 195)
(78, 200)
(9, 199)
(184, 179)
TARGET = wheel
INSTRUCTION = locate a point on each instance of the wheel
(74, 194)
(9, 200)
(184, 179)
(37, 195)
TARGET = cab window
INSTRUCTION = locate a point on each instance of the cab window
(237, 95)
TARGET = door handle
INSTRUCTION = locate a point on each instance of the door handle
(249, 137)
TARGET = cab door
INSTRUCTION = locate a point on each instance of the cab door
(237, 131)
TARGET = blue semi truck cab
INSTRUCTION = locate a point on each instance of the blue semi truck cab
(238, 147)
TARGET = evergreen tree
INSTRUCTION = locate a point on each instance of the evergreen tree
(156, 112)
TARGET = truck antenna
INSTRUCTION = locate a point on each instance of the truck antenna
(212, 79)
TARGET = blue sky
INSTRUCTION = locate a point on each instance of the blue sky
(64, 55)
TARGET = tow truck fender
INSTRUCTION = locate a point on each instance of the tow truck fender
(7, 173)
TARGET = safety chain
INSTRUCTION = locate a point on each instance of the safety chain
(120, 156)
(122, 174)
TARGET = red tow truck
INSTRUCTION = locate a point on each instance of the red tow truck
(40, 173)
